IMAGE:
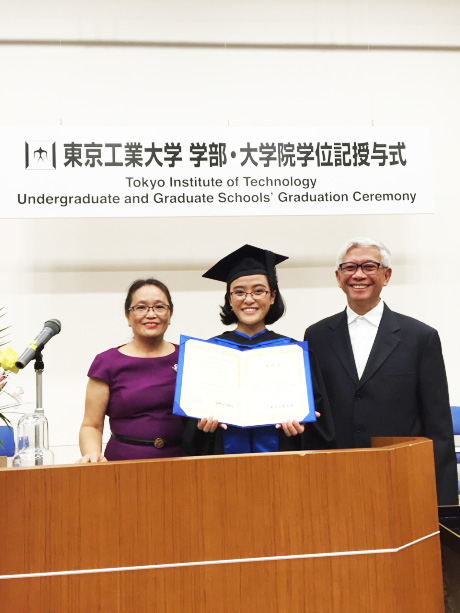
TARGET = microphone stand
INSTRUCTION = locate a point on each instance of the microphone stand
(39, 368)
(34, 426)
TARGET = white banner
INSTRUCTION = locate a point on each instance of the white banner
(168, 172)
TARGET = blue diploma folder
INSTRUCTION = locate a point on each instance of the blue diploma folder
(310, 410)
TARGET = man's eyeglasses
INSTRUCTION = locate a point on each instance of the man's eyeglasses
(143, 309)
(369, 268)
(257, 294)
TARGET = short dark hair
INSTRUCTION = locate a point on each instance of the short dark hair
(276, 311)
(140, 283)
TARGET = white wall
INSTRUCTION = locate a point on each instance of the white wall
(78, 270)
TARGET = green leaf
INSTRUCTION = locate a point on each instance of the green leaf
(8, 423)
(5, 419)
(5, 336)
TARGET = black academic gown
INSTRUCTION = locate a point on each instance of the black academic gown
(317, 435)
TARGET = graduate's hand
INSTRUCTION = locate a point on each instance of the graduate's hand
(291, 428)
(209, 424)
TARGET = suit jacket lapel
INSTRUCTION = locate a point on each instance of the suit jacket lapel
(385, 343)
(341, 344)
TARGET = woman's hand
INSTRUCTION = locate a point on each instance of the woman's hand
(92, 458)
(209, 424)
(291, 428)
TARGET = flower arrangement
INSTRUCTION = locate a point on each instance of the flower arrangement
(8, 359)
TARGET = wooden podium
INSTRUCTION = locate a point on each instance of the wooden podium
(344, 531)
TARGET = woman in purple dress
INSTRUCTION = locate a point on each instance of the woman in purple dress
(134, 385)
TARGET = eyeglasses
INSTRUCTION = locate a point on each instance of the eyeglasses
(370, 268)
(257, 294)
(143, 309)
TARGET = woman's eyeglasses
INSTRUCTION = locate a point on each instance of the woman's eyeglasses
(257, 294)
(143, 309)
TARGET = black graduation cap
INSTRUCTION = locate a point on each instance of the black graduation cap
(247, 260)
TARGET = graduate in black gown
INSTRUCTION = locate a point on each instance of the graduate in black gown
(252, 301)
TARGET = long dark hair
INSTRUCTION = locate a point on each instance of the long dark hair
(276, 311)
(140, 283)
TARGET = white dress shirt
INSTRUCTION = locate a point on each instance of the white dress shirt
(363, 330)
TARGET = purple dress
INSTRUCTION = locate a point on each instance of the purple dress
(140, 403)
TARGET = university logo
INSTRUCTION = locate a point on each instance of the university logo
(40, 155)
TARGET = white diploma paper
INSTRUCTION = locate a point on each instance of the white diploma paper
(244, 388)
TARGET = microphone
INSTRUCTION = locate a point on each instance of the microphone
(50, 329)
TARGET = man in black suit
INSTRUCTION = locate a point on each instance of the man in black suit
(384, 372)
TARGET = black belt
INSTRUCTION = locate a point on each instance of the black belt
(158, 442)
